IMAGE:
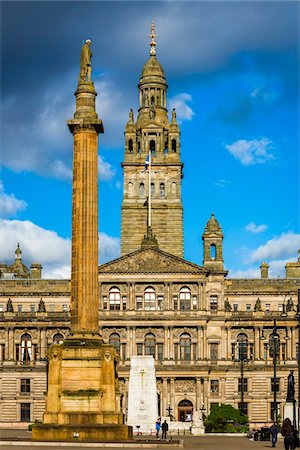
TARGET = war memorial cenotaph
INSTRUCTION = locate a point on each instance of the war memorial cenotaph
(82, 398)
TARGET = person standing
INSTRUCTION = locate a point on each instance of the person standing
(287, 430)
(157, 427)
(274, 433)
(165, 428)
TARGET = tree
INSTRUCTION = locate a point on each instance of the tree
(226, 418)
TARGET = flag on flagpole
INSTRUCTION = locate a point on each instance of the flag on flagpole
(147, 162)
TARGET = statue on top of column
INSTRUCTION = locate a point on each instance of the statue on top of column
(85, 62)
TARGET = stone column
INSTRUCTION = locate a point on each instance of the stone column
(199, 355)
(6, 350)
(198, 394)
(167, 343)
(172, 396)
(84, 268)
(256, 343)
(228, 356)
(171, 343)
(164, 396)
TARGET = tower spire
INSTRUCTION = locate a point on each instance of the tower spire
(152, 43)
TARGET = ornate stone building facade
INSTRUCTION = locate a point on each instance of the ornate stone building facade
(209, 334)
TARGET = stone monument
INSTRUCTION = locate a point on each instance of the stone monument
(82, 401)
(142, 394)
(198, 427)
(289, 410)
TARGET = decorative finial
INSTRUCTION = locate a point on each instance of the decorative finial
(152, 43)
(18, 252)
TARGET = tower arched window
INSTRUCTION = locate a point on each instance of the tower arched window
(152, 190)
(150, 299)
(185, 299)
(174, 189)
(26, 348)
(150, 344)
(174, 145)
(114, 299)
(242, 340)
(152, 146)
(185, 347)
(162, 190)
(130, 145)
(139, 147)
(114, 340)
(142, 190)
(213, 251)
(58, 338)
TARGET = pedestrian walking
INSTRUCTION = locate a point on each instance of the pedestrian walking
(274, 433)
(287, 430)
(157, 427)
(164, 428)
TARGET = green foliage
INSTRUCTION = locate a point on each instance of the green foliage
(36, 422)
(226, 419)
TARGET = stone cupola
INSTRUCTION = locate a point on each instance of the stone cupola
(213, 243)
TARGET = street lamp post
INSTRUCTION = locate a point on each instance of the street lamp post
(242, 354)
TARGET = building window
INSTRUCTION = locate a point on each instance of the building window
(25, 412)
(194, 303)
(32, 308)
(1, 308)
(160, 302)
(283, 352)
(139, 303)
(280, 308)
(174, 145)
(130, 145)
(243, 383)
(114, 299)
(213, 302)
(242, 340)
(104, 302)
(58, 338)
(26, 348)
(160, 352)
(214, 352)
(213, 251)
(243, 408)
(235, 307)
(124, 351)
(19, 308)
(150, 299)
(139, 348)
(276, 385)
(142, 190)
(248, 307)
(25, 385)
(152, 189)
(114, 340)
(273, 418)
(124, 301)
(162, 190)
(185, 347)
(185, 299)
(175, 299)
(152, 146)
(51, 308)
(65, 308)
(214, 386)
(267, 306)
(150, 344)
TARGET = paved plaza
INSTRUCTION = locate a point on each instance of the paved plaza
(207, 442)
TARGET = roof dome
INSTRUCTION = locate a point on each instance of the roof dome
(153, 68)
(213, 225)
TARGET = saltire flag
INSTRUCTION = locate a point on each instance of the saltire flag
(147, 162)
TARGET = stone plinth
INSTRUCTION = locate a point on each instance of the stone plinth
(142, 394)
(289, 409)
(83, 394)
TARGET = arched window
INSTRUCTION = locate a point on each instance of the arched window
(213, 251)
(130, 188)
(174, 189)
(114, 299)
(58, 338)
(130, 145)
(142, 190)
(185, 410)
(114, 340)
(174, 146)
(152, 146)
(152, 190)
(242, 340)
(139, 147)
(150, 344)
(185, 347)
(162, 190)
(150, 299)
(185, 299)
(26, 348)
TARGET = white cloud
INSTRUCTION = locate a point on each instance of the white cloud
(47, 247)
(9, 204)
(284, 246)
(61, 170)
(222, 183)
(180, 103)
(252, 272)
(253, 228)
(251, 152)
(105, 169)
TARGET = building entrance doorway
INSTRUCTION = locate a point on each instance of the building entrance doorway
(185, 410)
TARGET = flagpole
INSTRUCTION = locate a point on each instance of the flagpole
(149, 195)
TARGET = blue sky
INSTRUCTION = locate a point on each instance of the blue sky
(233, 75)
